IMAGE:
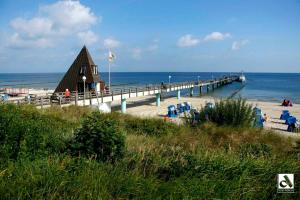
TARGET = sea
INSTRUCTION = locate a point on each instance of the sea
(272, 87)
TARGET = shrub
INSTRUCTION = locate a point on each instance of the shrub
(232, 112)
(24, 131)
(100, 136)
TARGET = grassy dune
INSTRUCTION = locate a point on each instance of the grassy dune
(161, 160)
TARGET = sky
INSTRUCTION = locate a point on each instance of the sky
(151, 35)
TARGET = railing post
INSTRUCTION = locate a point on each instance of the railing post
(129, 92)
(136, 92)
(60, 101)
(101, 96)
(76, 98)
(90, 97)
(41, 102)
(200, 90)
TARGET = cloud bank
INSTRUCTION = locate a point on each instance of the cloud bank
(57, 20)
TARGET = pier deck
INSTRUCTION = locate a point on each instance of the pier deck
(93, 98)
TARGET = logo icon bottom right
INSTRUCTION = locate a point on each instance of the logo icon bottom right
(285, 183)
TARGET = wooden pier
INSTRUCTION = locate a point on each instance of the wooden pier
(97, 98)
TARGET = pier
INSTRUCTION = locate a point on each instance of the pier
(92, 98)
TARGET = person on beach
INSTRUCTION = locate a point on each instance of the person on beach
(67, 93)
(266, 118)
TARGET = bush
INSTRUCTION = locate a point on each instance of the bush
(100, 136)
(232, 112)
(25, 132)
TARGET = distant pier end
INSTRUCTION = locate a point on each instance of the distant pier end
(82, 66)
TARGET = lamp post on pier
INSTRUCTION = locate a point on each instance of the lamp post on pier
(84, 79)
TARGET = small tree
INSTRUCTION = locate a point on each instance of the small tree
(99, 136)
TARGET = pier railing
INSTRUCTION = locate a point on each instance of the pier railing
(61, 98)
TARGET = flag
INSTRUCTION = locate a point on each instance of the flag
(111, 56)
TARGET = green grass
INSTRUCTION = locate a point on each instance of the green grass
(161, 161)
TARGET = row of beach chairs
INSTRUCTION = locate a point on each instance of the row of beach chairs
(181, 108)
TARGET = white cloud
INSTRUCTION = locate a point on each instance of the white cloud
(88, 37)
(53, 21)
(136, 53)
(216, 36)
(35, 27)
(111, 43)
(236, 45)
(187, 41)
(18, 42)
(69, 16)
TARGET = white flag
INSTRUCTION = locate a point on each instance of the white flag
(111, 56)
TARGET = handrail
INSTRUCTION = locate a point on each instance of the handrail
(61, 98)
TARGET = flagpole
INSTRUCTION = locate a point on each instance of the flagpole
(109, 75)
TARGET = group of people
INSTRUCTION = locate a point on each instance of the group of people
(286, 103)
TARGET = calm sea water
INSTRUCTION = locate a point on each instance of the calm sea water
(259, 86)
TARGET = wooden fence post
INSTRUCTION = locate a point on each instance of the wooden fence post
(76, 98)
(90, 97)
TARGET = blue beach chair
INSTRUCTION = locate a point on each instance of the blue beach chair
(291, 120)
(285, 115)
(180, 107)
(172, 111)
(259, 121)
(188, 106)
(257, 111)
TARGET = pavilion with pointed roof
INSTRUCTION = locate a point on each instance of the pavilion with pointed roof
(83, 65)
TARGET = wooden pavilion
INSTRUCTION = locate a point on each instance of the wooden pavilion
(82, 66)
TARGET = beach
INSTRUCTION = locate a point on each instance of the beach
(145, 107)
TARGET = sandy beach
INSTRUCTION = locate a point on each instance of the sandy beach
(146, 107)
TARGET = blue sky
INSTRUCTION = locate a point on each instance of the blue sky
(150, 35)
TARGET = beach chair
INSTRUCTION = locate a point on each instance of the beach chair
(259, 121)
(285, 115)
(172, 111)
(187, 106)
(291, 120)
(257, 111)
(180, 107)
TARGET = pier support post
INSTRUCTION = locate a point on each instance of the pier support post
(200, 90)
(123, 105)
(157, 99)
(191, 91)
(207, 88)
(178, 94)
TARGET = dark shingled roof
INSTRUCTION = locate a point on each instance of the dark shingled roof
(73, 77)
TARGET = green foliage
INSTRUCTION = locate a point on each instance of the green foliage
(232, 112)
(100, 136)
(176, 162)
(26, 132)
(255, 150)
(151, 127)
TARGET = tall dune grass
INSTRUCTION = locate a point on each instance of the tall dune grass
(174, 162)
